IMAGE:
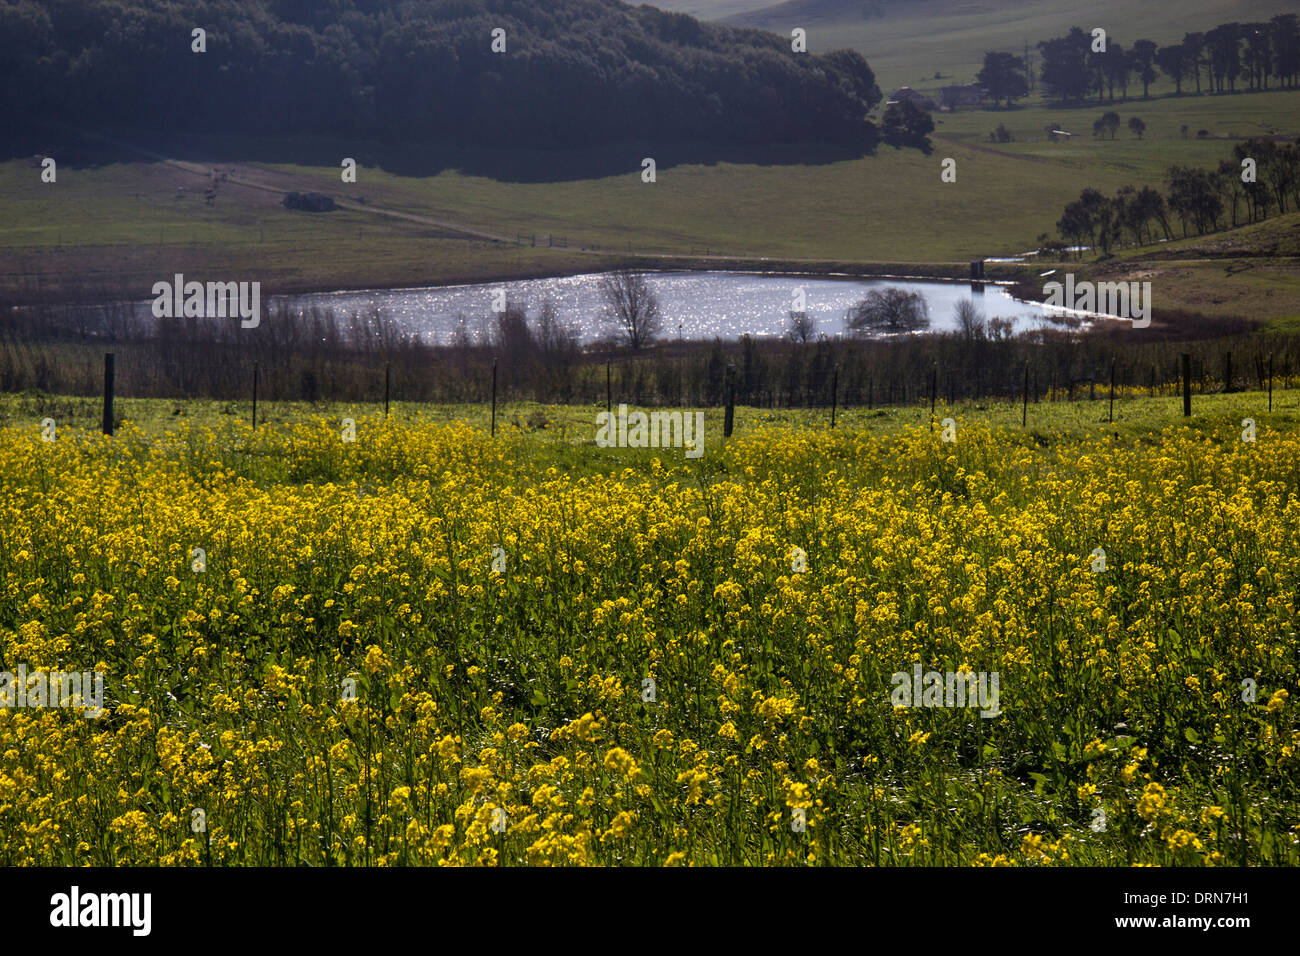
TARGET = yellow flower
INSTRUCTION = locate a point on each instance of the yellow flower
(619, 761)
(375, 659)
(1151, 802)
(1031, 846)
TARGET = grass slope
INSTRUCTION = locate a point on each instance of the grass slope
(907, 42)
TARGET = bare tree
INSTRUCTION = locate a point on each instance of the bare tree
(970, 320)
(800, 329)
(631, 305)
(459, 337)
(892, 310)
(1000, 329)
(555, 335)
(512, 338)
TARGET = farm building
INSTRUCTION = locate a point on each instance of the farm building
(907, 93)
(968, 94)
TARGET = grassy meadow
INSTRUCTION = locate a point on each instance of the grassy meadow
(431, 646)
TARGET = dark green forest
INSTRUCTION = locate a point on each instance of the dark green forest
(574, 73)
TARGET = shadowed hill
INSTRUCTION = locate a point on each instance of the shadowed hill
(502, 74)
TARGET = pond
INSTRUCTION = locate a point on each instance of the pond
(694, 305)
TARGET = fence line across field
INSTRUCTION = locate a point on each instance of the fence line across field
(931, 386)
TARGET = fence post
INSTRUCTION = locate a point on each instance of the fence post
(388, 368)
(1227, 373)
(1270, 381)
(729, 417)
(108, 393)
(1187, 384)
(1024, 409)
(609, 390)
(835, 387)
(934, 385)
(254, 395)
(494, 398)
(1112, 391)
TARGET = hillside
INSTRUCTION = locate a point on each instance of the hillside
(125, 219)
(496, 73)
(710, 9)
(908, 41)
(423, 214)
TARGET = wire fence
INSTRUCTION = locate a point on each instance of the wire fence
(245, 381)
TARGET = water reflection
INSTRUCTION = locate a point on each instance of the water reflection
(694, 305)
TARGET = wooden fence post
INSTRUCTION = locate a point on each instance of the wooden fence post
(1024, 408)
(1187, 385)
(1112, 391)
(729, 416)
(835, 387)
(1270, 381)
(934, 386)
(108, 393)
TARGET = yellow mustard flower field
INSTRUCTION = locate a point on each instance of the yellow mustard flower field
(429, 646)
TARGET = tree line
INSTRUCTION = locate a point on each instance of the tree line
(1262, 178)
(570, 74)
(1079, 65)
(530, 352)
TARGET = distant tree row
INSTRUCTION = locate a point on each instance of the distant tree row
(1263, 178)
(1255, 54)
(1107, 125)
(572, 73)
(1077, 66)
(324, 357)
